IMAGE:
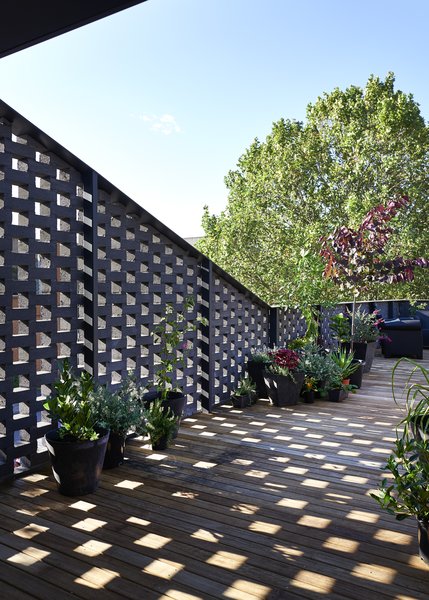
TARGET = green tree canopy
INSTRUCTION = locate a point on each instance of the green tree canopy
(356, 149)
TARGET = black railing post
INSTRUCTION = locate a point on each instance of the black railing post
(90, 276)
(273, 330)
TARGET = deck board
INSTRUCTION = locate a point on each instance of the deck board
(264, 503)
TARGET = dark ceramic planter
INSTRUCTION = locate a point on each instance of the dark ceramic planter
(176, 402)
(161, 444)
(337, 395)
(115, 451)
(308, 396)
(240, 401)
(356, 377)
(282, 390)
(256, 373)
(423, 539)
(364, 351)
(77, 466)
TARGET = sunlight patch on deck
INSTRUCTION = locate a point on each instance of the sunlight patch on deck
(163, 569)
(207, 536)
(92, 548)
(264, 527)
(89, 524)
(30, 531)
(246, 590)
(96, 578)
(153, 540)
(341, 544)
(129, 485)
(312, 521)
(393, 537)
(227, 560)
(30, 557)
(315, 483)
(315, 582)
(373, 572)
(364, 516)
(82, 505)
(292, 503)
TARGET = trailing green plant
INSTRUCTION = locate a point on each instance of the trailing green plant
(417, 396)
(344, 360)
(406, 493)
(246, 387)
(120, 410)
(169, 334)
(334, 375)
(158, 422)
(314, 362)
(72, 404)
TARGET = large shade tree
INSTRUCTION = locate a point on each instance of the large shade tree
(356, 149)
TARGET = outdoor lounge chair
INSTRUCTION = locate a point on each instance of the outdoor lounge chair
(405, 336)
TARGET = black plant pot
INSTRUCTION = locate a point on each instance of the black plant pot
(77, 465)
(356, 377)
(161, 444)
(175, 401)
(115, 451)
(308, 396)
(283, 390)
(336, 395)
(423, 539)
(256, 370)
(240, 401)
(363, 351)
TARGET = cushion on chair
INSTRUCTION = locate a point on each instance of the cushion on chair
(402, 324)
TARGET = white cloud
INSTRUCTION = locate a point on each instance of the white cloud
(165, 124)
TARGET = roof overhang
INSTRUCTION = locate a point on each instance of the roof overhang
(27, 22)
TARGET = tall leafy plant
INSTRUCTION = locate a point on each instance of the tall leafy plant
(169, 334)
(355, 259)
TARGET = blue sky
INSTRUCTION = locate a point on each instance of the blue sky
(163, 98)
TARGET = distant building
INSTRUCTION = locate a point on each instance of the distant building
(193, 240)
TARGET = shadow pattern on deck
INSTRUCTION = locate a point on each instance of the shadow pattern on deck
(261, 503)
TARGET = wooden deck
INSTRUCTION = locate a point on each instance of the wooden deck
(262, 503)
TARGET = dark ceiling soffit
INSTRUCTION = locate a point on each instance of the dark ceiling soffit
(22, 126)
(28, 22)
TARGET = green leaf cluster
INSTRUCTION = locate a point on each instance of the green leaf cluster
(159, 421)
(357, 148)
(73, 406)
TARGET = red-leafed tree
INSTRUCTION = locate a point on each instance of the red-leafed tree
(355, 258)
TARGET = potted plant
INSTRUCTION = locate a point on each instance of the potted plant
(169, 334)
(256, 365)
(120, 411)
(336, 390)
(159, 423)
(344, 360)
(77, 447)
(315, 365)
(309, 389)
(365, 335)
(245, 394)
(406, 493)
(283, 377)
